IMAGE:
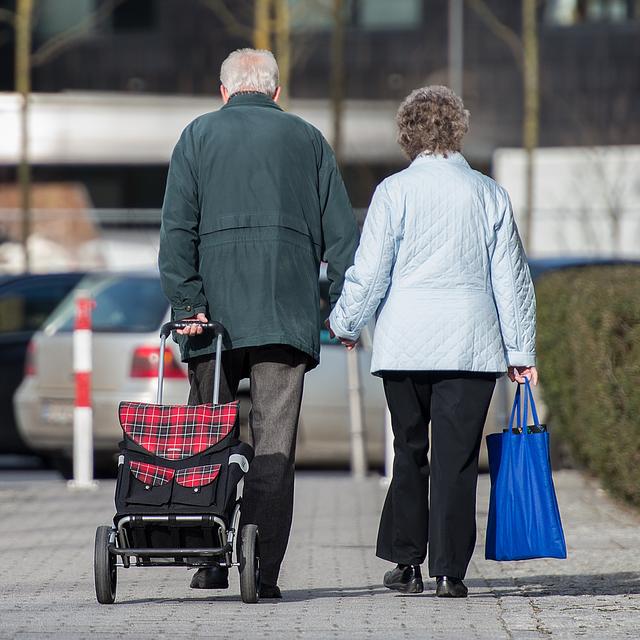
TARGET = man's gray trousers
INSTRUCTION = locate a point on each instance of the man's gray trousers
(276, 375)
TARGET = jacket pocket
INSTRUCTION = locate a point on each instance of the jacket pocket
(148, 484)
(197, 486)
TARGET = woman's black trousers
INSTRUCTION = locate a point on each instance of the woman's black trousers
(434, 503)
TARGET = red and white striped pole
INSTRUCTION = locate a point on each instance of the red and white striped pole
(82, 413)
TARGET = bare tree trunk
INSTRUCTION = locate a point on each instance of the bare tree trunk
(262, 24)
(23, 87)
(283, 47)
(530, 124)
(337, 76)
(272, 29)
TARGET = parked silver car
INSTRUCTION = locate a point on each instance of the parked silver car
(129, 310)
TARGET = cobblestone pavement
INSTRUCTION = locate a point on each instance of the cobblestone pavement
(331, 580)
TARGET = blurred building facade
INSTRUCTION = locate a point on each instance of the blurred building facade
(589, 61)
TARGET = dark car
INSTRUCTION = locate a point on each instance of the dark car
(25, 302)
(540, 266)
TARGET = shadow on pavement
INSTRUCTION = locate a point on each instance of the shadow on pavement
(293, 595)
(602, 584)
(599, 584)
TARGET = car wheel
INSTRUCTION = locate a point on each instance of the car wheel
(104, 465)
(63, 464)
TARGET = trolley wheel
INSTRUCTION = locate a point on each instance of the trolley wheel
(104, 567)
(249, 564)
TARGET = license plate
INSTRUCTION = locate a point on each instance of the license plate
(57, 412)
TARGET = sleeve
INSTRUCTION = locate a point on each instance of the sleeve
(513, 288)
(367, 281)
(339, 227)
(179, 240)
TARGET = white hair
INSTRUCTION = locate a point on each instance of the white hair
(250, 70)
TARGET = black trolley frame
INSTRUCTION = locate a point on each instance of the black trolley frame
(112, 543)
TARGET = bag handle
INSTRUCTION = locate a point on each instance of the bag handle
(522, 401)
(528, 398)
(515, 409)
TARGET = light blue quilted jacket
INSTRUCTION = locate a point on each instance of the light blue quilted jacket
(441, 263)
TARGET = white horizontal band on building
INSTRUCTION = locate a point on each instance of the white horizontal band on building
(92, 128)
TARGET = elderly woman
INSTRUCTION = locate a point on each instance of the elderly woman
(441, 264)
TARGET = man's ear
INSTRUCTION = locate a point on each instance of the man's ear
(224, 93)
(276, 94)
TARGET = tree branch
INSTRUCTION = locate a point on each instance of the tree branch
(499, 29)
(67, 38)
(229, 20)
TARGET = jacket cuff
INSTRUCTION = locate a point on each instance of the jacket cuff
(187, 311)
(340, 331)
(521, 359)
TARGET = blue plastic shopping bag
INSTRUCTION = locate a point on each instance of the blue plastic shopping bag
(524, 519)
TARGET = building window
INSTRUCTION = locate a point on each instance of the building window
(571, 12)
(57, 16)
(134, 15)
(363, 14)
(382, 14)
(316, 15)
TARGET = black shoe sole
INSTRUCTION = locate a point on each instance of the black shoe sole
(413, 586)
(445, 593)
(203, 584)
(210, 578)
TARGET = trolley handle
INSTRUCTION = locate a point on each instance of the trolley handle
(214, 326)
(218, 332)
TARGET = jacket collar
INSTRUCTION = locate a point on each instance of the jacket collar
(253, 99)
(456, 157)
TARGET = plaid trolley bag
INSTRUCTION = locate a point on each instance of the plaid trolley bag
(176, 491)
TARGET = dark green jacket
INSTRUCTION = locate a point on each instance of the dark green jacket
(254, 201)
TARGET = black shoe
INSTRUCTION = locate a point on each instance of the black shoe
(447, 587)
(210, 578)
(270, 591)
(405, 578)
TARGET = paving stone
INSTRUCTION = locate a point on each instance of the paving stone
(331, 578)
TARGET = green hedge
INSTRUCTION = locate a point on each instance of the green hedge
(589, 361)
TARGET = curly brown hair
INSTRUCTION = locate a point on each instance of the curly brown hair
(431, 120)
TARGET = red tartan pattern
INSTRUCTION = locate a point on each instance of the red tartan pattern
(175, 432)
(151, 474)
(197, 476)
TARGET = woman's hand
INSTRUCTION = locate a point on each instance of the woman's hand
(519, 374)
(195, 329)
(349, 344)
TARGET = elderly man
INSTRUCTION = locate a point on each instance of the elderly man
(254, 201)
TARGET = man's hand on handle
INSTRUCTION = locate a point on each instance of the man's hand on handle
(349, 344)
(194, 330)
(519, 374)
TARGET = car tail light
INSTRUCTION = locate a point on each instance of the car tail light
(145, 364)
(30, 360)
